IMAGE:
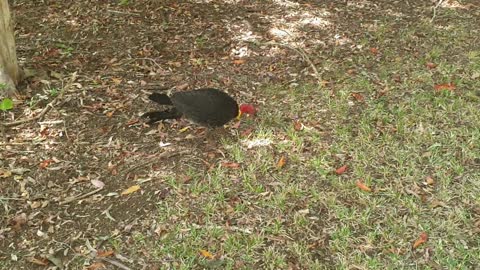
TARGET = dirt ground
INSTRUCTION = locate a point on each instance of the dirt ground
(67, 172)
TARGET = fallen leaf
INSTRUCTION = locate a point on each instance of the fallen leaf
(374, 50)
(324, 83)
(358, 97)
(105, 253)
(298, 126)
(362, 186)
(96, 266)
(131, 190)
(109, 114)
(206, 254)
(445, 86)
(41, 261)
(18, 221)
(97, 183)
(341, 170)
(44, 164)
(429, 180)
(5, 173)
(247, 132)
(281, 162)
(232, 165)
(236, 125)
(239, 61)
(431, 65)
(132, 122)
(117, 81)
(421, 239)
(351, 71)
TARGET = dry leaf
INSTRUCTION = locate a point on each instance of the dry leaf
(362, 186)
(131, 190)
(18, 221)
(41, 261)
(429, 180)
(247, 132)
(109, 114)
(206, 254)
(96, 266)
(421, 239)
(97, 183)
(5, 173)
(239, 61)
(374, 50)
(341, 170)
(281, 162)
(431, 65)
(105, 253)
(44, 164)
(232, 165)
(358, 97)
(351, 72)
(445, 86)
(132, 122)
(117, 81)
(298, 126)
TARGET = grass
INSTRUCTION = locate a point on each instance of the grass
(399, 134)
(304, 214)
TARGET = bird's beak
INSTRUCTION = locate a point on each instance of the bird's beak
(239, 115)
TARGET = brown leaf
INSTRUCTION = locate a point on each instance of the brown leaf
(421, 239)
(374, 50)
(5, 173)
(206, 254)
(132, 122)
(247, 132)
(96, 266)
(232, 165)
(362, 186)
(18, 221)
(429, 180)
(109, 114)
(298, 126)
(281, 162)
(130, 190)
(445, 86)
(238, 61)
(41, 261)
(105, 253)
(431, 65)
(44, 164)
(351, 72)
(358, 97)
(341, 170)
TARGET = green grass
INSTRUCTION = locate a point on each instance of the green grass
(304, 215)
(259, 216)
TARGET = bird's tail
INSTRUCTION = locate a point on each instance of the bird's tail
(161, 99)
(161, 115)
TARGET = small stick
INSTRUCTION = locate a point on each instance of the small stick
(80, 197)
(302, 53)
(435, 9)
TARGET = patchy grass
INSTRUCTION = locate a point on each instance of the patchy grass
(400, 110)
(418, 149)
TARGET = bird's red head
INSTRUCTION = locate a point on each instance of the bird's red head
(247, 109)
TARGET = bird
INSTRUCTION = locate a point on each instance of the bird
(208, 107)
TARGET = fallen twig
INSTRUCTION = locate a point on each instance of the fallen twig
(80, 197)
(435, 10)
(153, 160)
(301, 52)
(55, 101)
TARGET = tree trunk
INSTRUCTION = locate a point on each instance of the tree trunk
(9, 69)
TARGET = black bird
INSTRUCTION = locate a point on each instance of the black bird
(207, 107)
